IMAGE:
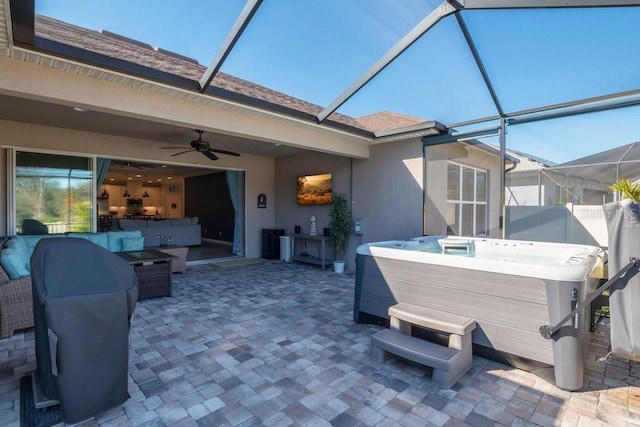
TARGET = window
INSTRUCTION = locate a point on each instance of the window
(54, 190)
(466, 200)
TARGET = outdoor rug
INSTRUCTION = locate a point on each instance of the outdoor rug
(29, 415)
(240, 262)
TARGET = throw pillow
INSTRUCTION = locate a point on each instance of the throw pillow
(19, 246)
(114, 238)
(14, 264)
(132, 244)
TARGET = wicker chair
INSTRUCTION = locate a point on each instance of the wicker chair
(16, 302)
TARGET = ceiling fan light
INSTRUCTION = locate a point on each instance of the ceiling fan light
(145, 194)
(126, 194)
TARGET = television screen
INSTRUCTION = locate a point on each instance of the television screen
(314, 189)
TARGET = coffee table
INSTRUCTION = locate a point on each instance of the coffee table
(153, 270)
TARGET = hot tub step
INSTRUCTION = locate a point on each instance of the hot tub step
(449, 363)
(414, 349)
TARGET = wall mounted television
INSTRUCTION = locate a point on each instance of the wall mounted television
(314, 189)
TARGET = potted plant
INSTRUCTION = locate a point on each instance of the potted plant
(627, 189)
(339, 228)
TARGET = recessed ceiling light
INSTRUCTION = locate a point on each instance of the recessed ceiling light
(138, 175)
(169, 177)
(163, 166)
(129, 178)
(159, 179)
(112, 179)
(80, 109)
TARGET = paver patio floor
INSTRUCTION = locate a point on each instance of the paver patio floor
(275, 344)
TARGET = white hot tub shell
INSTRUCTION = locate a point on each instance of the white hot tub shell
(510, 288)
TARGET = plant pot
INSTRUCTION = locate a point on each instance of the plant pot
(338, 266)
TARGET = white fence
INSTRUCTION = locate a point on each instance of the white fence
(583, 224)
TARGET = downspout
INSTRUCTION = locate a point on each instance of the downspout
(424, 189)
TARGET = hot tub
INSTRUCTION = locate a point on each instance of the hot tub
(510, 288)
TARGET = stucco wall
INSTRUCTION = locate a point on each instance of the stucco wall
(288, 169)
(388, 191)
(259, 169)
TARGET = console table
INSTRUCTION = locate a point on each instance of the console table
(320, 260)
(153, 270)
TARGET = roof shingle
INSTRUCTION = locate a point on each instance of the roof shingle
(123, 48)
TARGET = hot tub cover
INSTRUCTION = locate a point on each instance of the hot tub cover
(623, 227)
(83, 300)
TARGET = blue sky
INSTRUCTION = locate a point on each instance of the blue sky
(315, 49)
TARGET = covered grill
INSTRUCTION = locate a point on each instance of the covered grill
(84, 297)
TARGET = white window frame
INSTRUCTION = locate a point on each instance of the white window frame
(475, 203)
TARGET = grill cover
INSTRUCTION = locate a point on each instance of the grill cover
(623, 226)
(83, 300)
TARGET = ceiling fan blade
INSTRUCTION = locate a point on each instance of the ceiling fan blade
(209, 154)
(182, 152)
(171, 148)
(230, 153)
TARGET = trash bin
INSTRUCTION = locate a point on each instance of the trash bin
(270, 246)
(285, 248)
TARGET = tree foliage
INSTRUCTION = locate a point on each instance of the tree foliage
(627, 189)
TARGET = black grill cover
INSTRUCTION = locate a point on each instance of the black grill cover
(83, 300)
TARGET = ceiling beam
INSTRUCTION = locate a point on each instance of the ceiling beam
(479, 64)
(544, 4)
(249, 10)
(444, 10)
(582, 106)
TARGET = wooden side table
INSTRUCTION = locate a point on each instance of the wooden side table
(179, 265)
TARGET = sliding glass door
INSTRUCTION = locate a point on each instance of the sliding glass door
(54, 191)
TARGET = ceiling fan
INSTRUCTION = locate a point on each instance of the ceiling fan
(203, 147)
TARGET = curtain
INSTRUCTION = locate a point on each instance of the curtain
(102, 166)
(232, 183)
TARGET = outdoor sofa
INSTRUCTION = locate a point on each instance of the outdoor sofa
(16, 300)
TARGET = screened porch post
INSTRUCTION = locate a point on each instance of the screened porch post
(503, 172)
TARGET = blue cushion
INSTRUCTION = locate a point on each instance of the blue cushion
(14, 263)
(115, 238)
(132, 224)
(99, 239)
(132, 244)
(32, 240)
(18, 245)
(194, 220)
